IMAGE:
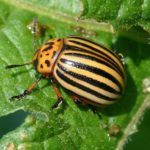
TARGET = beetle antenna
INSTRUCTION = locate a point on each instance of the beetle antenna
(34, 32)
(17, 65)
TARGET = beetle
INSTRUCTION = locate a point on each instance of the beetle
(93, 73)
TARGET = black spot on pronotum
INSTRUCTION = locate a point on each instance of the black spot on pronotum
(47, 48)
(47, 54)
(47, 62)
(59, 40)
(54, 52)
(41, 55)
(41, 66)
(49, 43)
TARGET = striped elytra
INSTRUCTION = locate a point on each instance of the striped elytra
(90, 70)
(92, 73)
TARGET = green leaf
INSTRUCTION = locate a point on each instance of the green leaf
(71, 126)
(121, 13)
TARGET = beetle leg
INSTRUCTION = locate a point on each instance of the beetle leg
(58, 93)
(81, 101)
(27, 91)
(78, 100)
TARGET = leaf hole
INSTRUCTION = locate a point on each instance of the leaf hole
(12, 121)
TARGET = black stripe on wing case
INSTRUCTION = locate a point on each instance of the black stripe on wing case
(86, 51)
(92, 69)
(99, 51)
(89, 41)
(81, 87)
(89, 80)
(100, 61)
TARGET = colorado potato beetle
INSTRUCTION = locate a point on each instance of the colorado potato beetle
(93, 73)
